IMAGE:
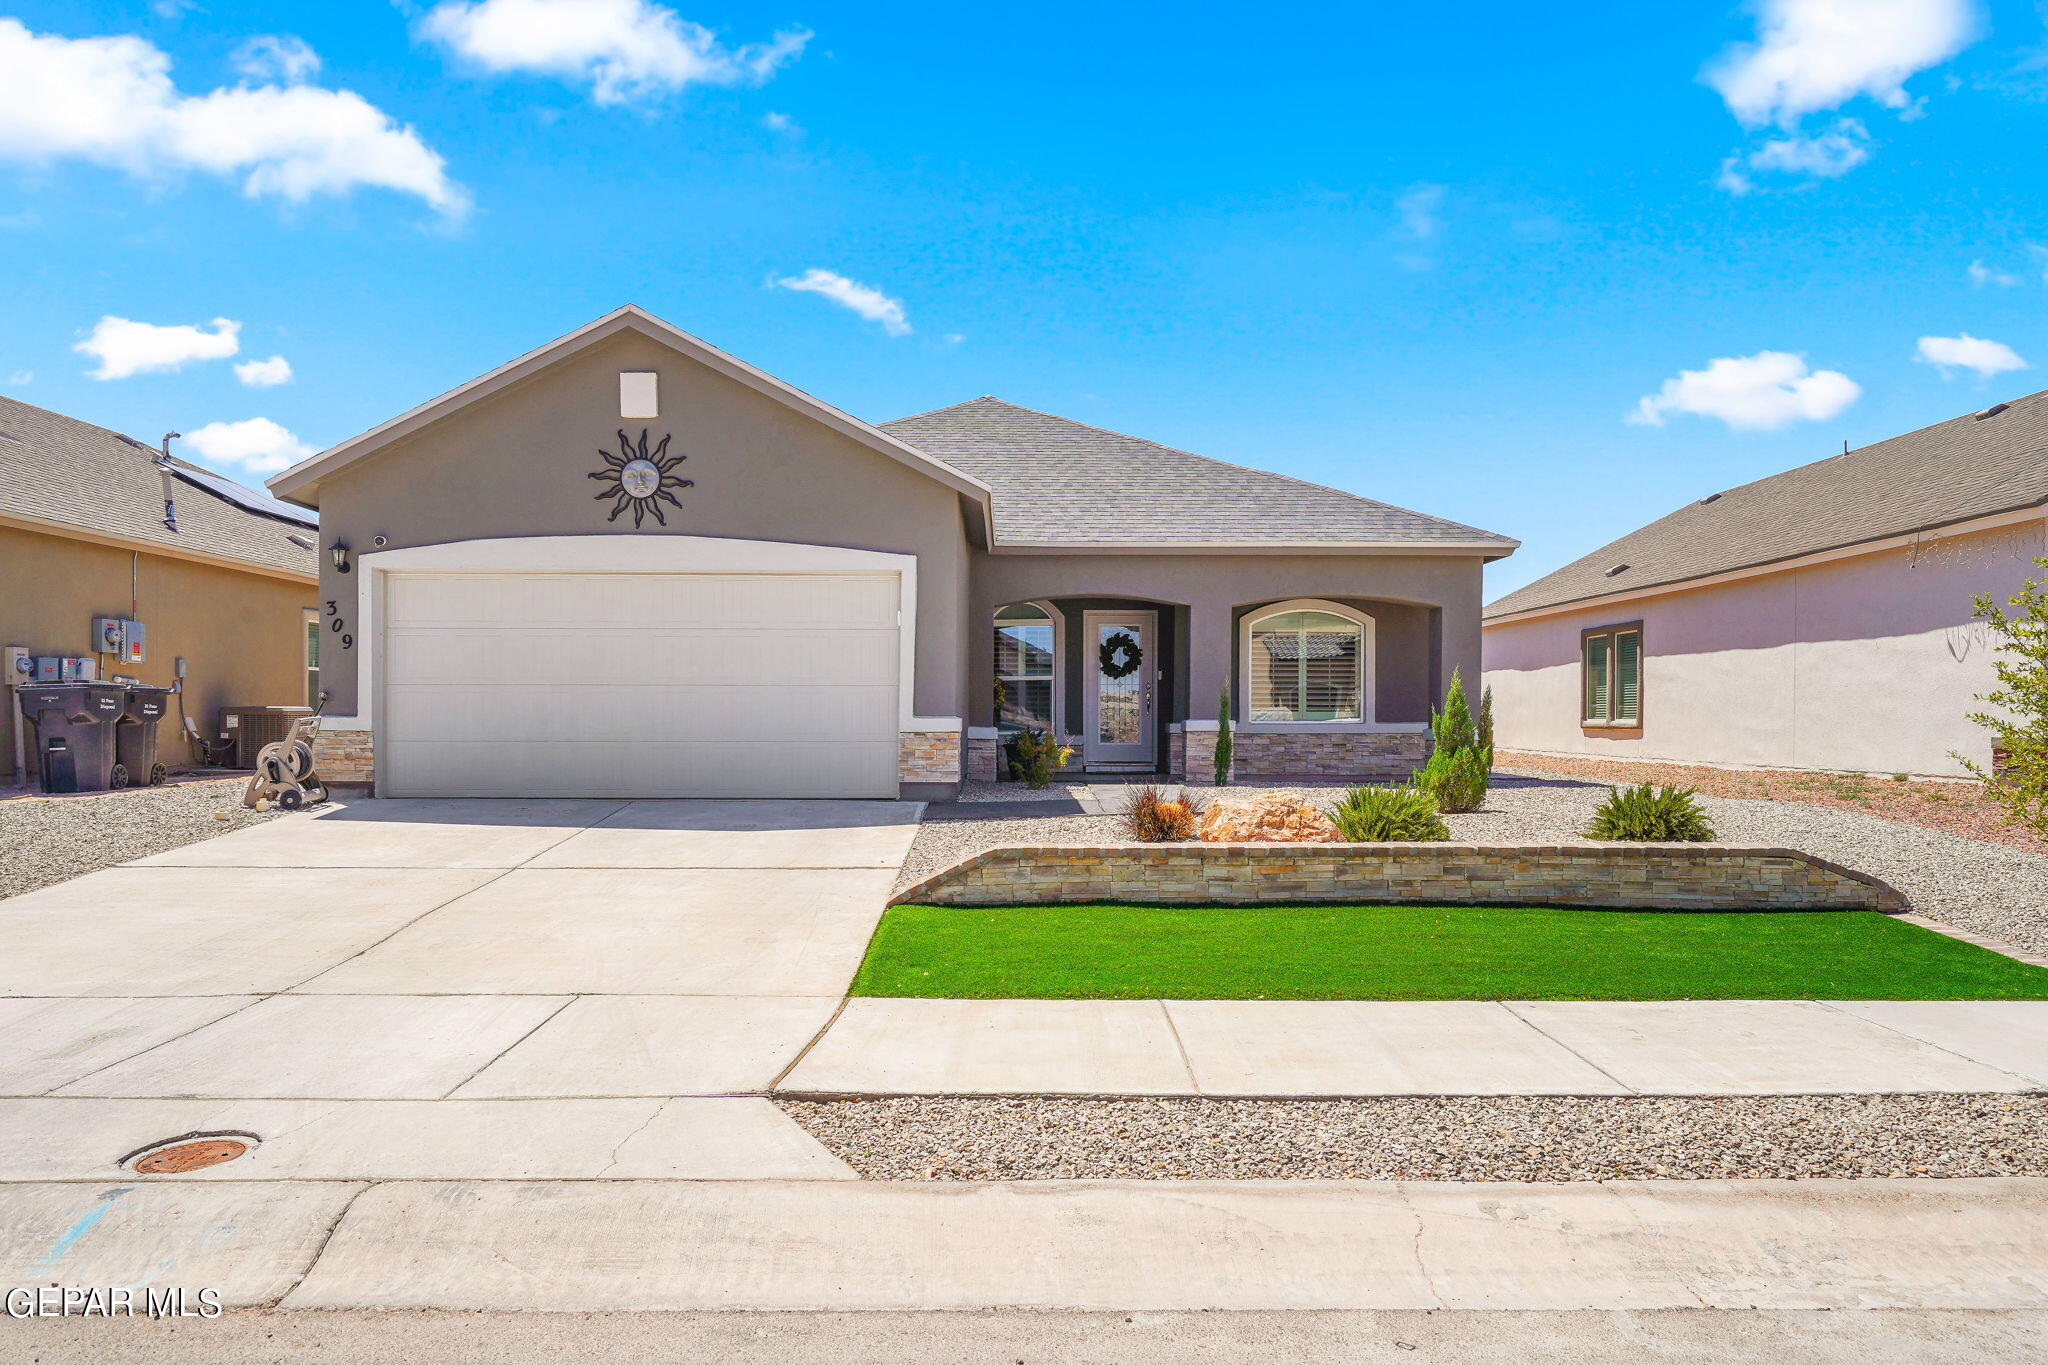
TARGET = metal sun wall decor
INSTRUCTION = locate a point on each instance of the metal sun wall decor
(642, 478)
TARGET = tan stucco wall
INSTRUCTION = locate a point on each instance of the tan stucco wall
(1867, 664)
(242, 634)
(514, 464)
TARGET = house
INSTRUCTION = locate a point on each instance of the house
(96, 525)
(629, 564)
(1817, 619)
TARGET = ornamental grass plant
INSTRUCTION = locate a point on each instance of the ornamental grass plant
(1151, 818)
(1381, 815)
(1651, 815)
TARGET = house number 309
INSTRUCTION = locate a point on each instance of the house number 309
(335, 624)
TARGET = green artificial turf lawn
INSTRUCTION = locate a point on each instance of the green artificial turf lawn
(1424, 952)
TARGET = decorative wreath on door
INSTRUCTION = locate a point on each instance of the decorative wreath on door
(1120, 655)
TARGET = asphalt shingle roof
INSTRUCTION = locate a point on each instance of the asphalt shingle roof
(1968, 467)
(1058, 482)
(57, 468)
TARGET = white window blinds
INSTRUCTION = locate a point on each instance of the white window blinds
(1306, 665)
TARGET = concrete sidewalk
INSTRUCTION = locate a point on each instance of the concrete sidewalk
(647, 1244)
(1314, 1049)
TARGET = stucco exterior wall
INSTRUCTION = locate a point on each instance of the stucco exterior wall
(241, 634)
(1866, 664)
(514, 464)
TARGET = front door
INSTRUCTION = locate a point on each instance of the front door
(1119, 697)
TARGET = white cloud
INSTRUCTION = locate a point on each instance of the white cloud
(870, 303)
(124, 347)
(1420, 209)
(1751, 393)
(263, 374)
(1836, 152)
(781, 123)
(277, 57)
(22, 377)
(1965, 352)
(1982, 274)
(1818, 54)
(625, 50)
(258, 445)
(110, 101)
(1826, 155)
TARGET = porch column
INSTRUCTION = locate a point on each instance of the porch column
(1210, 659)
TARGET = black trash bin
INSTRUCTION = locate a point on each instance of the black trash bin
(135, 738)
(74, 732)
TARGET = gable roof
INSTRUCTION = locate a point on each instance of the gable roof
(63, 475)
(301, 483)
(1972, 466)
(1059, 483)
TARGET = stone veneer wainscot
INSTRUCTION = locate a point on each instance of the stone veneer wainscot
(1614, 876)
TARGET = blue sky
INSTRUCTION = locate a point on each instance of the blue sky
(1435, 257)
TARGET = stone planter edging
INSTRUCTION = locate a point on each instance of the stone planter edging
(1610, 875)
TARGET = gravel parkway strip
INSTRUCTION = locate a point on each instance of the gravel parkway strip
(1513, 1138)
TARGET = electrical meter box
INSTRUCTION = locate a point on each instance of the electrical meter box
(126, 640)
(50, 668)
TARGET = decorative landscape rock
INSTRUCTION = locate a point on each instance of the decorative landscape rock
(1265, 819)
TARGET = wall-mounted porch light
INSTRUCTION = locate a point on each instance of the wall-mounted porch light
(340, 553)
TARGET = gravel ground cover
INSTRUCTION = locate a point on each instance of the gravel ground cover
(939, 846)
(46, 839)
(1514, 1138)
(1994, 889)
(1952, 807)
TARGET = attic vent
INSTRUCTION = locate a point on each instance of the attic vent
(1711, 497)
(1993, 410)
(1619, 568)
(298, 540)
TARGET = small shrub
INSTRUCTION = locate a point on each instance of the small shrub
(2016, 711)
(1460, 766)
(1455, 780)
(1152, 819)
(1382, 815)
(1036, 755)
(1224, 743)
(1651, 815)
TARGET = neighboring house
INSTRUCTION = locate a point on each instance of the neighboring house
(628, 564)
(1819, 618)
(222, 579)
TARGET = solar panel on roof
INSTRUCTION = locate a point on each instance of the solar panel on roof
(247, 498)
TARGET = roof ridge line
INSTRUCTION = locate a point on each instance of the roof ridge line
(929, 412)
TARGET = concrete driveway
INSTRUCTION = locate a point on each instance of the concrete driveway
(364, 988)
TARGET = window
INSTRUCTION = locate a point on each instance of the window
(1306, 664)
(1611, 659)
(1025, 644)
(312, 658)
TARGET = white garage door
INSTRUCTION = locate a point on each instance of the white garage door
(631, 684)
